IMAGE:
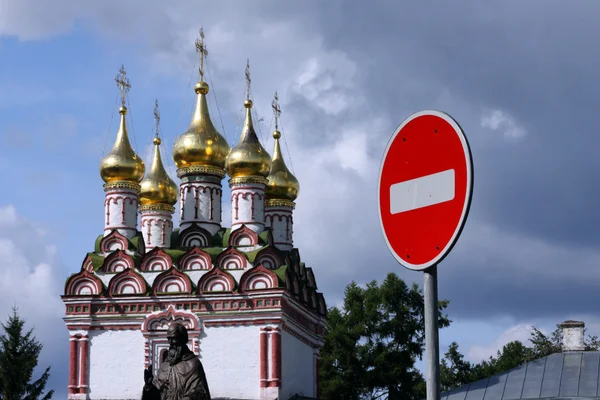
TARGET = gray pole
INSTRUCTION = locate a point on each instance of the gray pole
(432, 341)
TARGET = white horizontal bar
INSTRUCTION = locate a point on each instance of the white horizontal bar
(422, 192)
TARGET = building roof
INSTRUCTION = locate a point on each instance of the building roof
(569, 375)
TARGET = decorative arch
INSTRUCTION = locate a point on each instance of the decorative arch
(195, 259)
(172, 281)
(216, 280)
(156, 260)
(243, 236)
(154, 329)
(310, 275)
(296, 286)
(113, 241)
(87, 264)
(258, 278)
(304, 294)
(269, 258)
(117, 262)
(322, 307)
(288, 281)
(127, 282)
(194, 236)
(231, 259)
(83, 284)
(313, 300)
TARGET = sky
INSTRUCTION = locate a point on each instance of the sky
(521, 78)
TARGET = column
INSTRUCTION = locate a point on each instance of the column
(156, 225)
(121, 208)
(248, 203)
(73, 364)
(83, 364)
(200, 199)
(264, 357)
(275, 380)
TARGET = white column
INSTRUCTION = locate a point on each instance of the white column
(156, 225)
(121, 208)
(200, 199)
(279, 217)
(248, 203)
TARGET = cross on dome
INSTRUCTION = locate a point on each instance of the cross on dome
(157, 121)
(248, 80)
(276, 110)
(202, 51)
(123, 84)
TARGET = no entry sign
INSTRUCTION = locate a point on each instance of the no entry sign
(425, 188)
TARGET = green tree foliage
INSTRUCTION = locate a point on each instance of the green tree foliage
(372, 343)
(456, 372)
(19, 352)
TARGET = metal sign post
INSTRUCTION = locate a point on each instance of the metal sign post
(425, 190)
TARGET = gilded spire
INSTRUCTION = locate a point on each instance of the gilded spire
(122, 163)
(282, 185)
(201, 146)
(248, 158)
(157, 188)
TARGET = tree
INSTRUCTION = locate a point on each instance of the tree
(372, 343)
(19, 353)
(455, 372)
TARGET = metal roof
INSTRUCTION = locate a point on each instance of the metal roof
(570, 375)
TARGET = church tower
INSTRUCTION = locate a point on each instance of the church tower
(254, 316)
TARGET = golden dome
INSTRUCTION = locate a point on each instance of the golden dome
(282, 183)
(157, 187)
(122, 163)
(248, 157)
(201, 144)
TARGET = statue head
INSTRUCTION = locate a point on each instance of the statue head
(177, 334)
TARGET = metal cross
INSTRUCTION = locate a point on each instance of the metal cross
(202, 51)
(276, 110)
(248, 80)
(123, 84)
(156, 116)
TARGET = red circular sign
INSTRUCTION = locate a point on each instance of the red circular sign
(425, 188)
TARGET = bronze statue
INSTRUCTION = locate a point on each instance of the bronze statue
(181, 375)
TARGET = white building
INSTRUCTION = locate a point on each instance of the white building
(254, 316)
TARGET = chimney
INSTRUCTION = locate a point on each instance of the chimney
(572, 335)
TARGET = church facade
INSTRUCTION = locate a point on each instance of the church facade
(254, 315)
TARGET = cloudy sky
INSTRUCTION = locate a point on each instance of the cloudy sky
(520, 77)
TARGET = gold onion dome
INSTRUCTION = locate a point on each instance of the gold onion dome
(201, 144)
(248, 157)
(157, 187)
(282, 183)
(122, 163)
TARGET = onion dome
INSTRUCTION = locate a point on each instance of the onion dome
(248, 158)
(122, 163)
(282, 185)
(157, 187)
(201, 144)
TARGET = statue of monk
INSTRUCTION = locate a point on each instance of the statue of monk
(181, 375)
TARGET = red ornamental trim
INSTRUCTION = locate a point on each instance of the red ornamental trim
(254, 322)
(252, 194)
(269, 258)
(243, 232)
(114, 198)
(154, 321)
(83, 284)
(127, 282)
(83, 369)
(258, 278)
(117, 261)
(195, 259)
(73, 364)
(165, 282)
(231, 259)
(164, 223)
(156, 260)
(216, 280)
(87, 264)
(113, 241)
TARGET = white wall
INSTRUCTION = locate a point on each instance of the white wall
(231, 360)
(297, 369)
(116, 364)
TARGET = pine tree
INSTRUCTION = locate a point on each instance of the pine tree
(19, 355)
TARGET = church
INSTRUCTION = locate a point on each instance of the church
(251, 306)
